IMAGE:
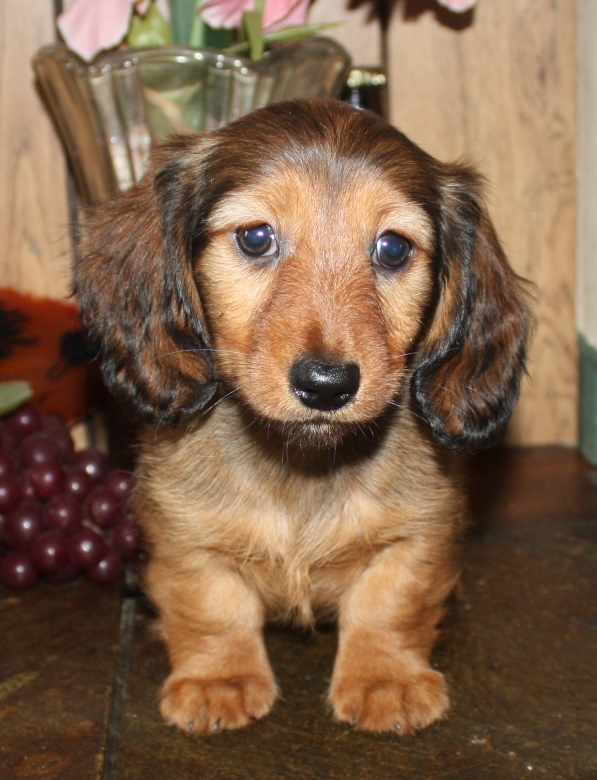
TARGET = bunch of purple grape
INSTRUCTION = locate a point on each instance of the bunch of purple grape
(61, 512)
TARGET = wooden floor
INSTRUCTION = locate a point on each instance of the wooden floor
(80, 668)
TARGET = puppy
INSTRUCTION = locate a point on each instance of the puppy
(309, 312)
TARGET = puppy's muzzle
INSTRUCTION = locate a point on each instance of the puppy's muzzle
(324, 384)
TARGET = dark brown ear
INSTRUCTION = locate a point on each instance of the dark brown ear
(472, 359)
(134, 281)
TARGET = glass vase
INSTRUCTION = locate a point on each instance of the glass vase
(110, 113)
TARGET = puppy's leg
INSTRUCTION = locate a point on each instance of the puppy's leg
(382, 679)
(212, 624)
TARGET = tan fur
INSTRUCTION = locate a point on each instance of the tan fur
(251, 527)
(259, 508)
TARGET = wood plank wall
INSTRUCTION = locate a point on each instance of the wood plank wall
(502, 93)
(499, 92)
(587, 251)
(34, 233)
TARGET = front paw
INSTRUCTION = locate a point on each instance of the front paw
(401, 703)
(208, 706)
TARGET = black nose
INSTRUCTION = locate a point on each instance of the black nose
(324, 384)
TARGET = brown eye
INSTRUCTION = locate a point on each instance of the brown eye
(392, 250)
(257, 241)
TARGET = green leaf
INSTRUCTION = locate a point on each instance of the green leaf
(149, 30)
(296, 31)
(13, 395)
(198, 29)
(285, 35)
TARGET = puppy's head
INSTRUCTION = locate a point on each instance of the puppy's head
(319, 266)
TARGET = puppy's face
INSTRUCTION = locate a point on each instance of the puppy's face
(318, 266)
(316, 284)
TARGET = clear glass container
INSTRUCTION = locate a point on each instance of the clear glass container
(110, 113)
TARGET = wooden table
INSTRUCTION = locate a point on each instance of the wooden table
(80, 667)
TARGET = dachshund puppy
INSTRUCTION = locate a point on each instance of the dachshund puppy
(309, 312)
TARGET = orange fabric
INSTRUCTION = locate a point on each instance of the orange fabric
(59, 387)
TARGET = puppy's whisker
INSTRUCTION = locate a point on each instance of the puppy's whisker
(334, 453)
(198, 350)
(405, 354)
(219, 400)
(157, 425)
(406, 408)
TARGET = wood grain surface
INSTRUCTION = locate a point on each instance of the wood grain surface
(34, 215)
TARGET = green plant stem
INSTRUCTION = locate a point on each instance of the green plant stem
(253, 32)
(198, 28)
(182, 15)
(285, 35)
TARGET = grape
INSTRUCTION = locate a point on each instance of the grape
(7, 465)
(48, 479)
(9, 441)
(57, 430)
(78, 483)
(107, 570)
(38, 448)
(94, 462)
(104, 508)
(25, 481)
(10, 494)
(120, 482)
(49, 552)
(22, 525)
(62, 513)
(25, 421)
(86, 548)
(126, 539)
(17, 571)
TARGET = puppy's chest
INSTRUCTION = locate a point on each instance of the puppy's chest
(300, 539)
(310, 526)
(302, 552)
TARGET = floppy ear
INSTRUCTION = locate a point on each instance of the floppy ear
(472, 358)
(133, 277)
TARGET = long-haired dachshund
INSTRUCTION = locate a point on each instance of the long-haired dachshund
(309, 311)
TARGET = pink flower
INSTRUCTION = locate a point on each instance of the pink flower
(89, 26)
(459, 6)
(276, 13)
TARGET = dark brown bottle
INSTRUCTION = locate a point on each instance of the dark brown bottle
(366, 87)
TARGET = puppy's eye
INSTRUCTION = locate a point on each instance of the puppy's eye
(392, 250)
(257, 241)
